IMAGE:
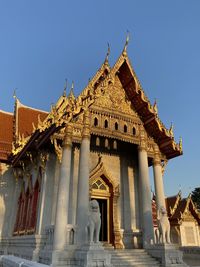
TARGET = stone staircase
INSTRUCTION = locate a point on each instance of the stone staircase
(132, 257)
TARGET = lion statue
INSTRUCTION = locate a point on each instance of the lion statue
(94, 222)
(163, 233)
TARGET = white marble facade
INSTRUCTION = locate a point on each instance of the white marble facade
(116, 167)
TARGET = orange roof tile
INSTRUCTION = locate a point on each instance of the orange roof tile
(27, 116)
(6, 134)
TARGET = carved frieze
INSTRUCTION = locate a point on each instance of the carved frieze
(114, 98)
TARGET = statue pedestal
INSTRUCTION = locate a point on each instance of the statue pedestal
(92, 255)
(168, 254)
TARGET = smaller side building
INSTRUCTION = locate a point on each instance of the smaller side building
(184, 220)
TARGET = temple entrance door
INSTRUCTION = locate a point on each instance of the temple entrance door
(102, 192)
(104, 210)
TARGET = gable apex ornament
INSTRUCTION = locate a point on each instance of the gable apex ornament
(65, 88)
(126, 44)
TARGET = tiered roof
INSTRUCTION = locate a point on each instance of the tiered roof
(17, 126)
(178, 209)
(25, 135)
(6, 134)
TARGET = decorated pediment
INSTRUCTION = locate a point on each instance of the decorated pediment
(114, 98)
(187, 216)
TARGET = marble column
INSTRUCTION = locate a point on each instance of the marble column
(14, 205)
(147, 223)
(158, 182)
(61, 220)
(83, 182)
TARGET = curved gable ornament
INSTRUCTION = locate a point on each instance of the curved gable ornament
(99, 171)
(96, 173)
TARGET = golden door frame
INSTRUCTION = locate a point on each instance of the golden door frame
(110, 192)
(100, 189)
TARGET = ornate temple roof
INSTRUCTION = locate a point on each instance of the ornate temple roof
(26, 117)
(6, 134)
(17, 126)
(179, 209)
(69, 107)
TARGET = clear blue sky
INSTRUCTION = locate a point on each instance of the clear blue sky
(44, 42)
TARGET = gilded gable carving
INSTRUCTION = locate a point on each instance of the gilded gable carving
(115, 99)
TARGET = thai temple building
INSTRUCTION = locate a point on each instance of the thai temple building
(99, 145)
(184, 219)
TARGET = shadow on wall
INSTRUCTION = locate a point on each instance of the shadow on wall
(7, 185)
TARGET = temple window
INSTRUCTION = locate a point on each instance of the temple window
(97, 141)
(33, 214)
(27, 210)
(106, 143)
(115, 144)
(95, 122)
(99, 184)
(19, 214)
(116, 126)
(125, 128)
(134, 131)
(106, 124)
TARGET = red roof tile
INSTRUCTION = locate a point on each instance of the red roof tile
(27, 116)
(6, 134)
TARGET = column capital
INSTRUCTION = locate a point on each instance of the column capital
(143, 139)
(67, 142)
(157, 158)
(86, 124)
(142, 145)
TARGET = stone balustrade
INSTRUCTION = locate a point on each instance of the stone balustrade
(13, 261)
(49, 233)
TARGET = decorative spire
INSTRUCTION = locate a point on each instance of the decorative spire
(180, 189)
(171, 130)
(107, 55)
(14, 94)
(65, 88)
(52, 106)
(155, 107)
(71, 93)
(181, 143)
(126, 43)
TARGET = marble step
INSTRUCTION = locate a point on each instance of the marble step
(136, 257)
(134, 265)
(134, 261)
(132, 258)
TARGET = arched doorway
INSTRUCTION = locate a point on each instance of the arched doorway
(102, 191)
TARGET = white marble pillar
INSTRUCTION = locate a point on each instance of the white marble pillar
(147, 223)
(158, 182)
(14, 205)
(83, 182)
(61, 220)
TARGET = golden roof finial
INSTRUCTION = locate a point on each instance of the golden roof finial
(65, 88)
(180, 189)
(107, 54)
(155, 107)
(171, 130)
(126, 43)
(52, 106)
(71, 93)
(181, 143)
(14, 94)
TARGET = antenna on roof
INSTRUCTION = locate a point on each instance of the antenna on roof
(65, 88)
